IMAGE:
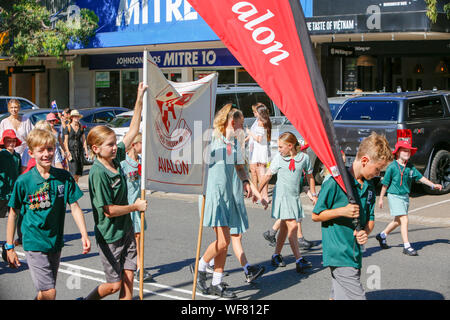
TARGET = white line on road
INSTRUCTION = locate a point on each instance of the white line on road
(430, 205)
(162, 286)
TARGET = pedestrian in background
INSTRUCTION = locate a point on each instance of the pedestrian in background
(396, 183)
(16, 122)
(74, 143)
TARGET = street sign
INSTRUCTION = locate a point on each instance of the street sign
(26, 69)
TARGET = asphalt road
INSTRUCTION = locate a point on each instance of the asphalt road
(170, 247)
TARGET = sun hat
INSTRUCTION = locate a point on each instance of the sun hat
(75, 113)
(406, 145)
(51, 117)
(10, 133)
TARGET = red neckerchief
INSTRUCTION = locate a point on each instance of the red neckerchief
(401, 171)
(292, 165)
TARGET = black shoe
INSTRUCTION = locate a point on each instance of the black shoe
(201, 279)
(383, 243)
(210, 269)
(253, 273)
(302, 265)
(221, 291)
(305, 244)
(410, 251)
(277, 261)
(272, 239)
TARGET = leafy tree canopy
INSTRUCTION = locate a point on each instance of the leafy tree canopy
(28, 29)
(432, 12)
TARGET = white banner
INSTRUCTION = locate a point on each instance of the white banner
(178, 120)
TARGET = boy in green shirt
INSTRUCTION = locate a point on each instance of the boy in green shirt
(340, 241)
(41, 195)
(9, 168)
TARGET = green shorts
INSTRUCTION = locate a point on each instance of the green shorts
(398, 204)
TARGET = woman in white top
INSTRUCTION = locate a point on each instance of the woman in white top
(16, 122)
(259, 139)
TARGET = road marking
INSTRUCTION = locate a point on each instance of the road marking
(430, 205)
(162, 286)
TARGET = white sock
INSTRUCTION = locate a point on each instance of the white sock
(383, 235)
(406, 245)
(216, 279)
(211, 263)
(202, 265)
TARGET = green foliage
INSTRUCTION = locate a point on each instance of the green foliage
(432, 10)
(32, 33)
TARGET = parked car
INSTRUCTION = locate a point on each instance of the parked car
(421, 117)
(25, 104)
(121, 124)
(34, 115)
(99, 116)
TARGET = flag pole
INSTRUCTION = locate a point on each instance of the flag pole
(143, 177)
(199, 244)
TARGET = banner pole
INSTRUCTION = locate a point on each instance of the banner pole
(143, 178)
(199, 244)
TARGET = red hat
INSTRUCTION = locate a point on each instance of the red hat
(406, 145)
(10, 133)
(51, 116)
(304, 147)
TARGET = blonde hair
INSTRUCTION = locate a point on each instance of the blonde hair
(376, 147)
(13, 101)
(289, 137)
(39, 138)
(44, 125)
(137, 139)
(97, 136)
(221, 119)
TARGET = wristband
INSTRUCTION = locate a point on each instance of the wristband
(9, 246)
(314, 194)
(432, 186)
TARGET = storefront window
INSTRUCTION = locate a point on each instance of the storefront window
(107, 89)
(4, 84)
(226, 76)
(244, 77)
(130, 83)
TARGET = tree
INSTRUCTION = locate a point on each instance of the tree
(28, 29)
(432, 10)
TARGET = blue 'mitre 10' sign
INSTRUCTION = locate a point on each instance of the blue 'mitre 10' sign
(165, 59)
(145, 22)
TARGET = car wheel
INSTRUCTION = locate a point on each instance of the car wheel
(440, 172)
(319, 172)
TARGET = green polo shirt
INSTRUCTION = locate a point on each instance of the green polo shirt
(109, 188)
(340, 248)
(43, 229)
(393, 177)
(10, 167)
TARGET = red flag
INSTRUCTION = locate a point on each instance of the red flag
(271, 41)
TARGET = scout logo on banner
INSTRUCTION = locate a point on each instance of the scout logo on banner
(271, 41)
(178, 115)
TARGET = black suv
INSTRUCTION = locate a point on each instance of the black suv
(422, 117)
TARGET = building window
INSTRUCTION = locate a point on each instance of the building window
(130, 83)
(244, 76)
(107, 89)
(226, 76)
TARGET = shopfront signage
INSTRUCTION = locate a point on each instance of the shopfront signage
(165, 59)
(26, 69)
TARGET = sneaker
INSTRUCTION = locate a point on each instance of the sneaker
(302, 264)
(221, 291)
(383, 243)
(253, 273)
(277, 261)
(210, 269)
(147, 275)
(272, 239)
(305, 244)
(410, 251)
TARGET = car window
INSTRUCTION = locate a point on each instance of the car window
(334, 108)
(426, 108)
(34, 118)
(24, 105)
(247, 99)
(225, 98)
(120, 122)
(88, 118)
(369, 110)
(104, 117)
